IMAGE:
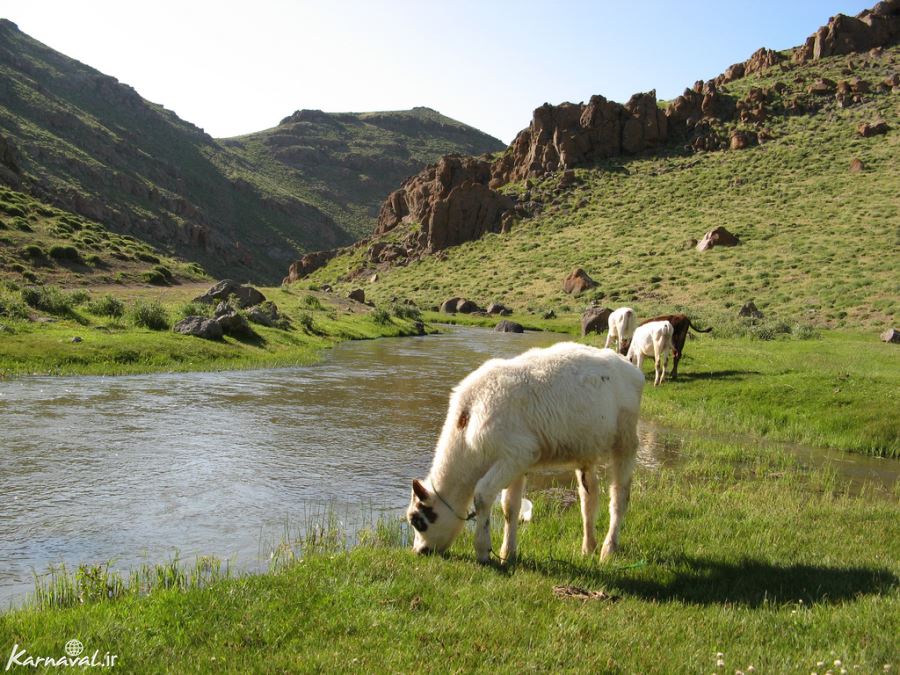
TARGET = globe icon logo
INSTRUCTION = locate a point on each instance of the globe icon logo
(74, 647)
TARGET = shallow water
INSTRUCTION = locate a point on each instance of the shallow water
(135, 468)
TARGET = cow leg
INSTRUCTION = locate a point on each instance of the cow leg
(512, 505)
(620, 470)
(500, 475)
(589, 491)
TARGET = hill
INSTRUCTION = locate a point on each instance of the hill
(345, 163)
(774, 150)
(75, 139)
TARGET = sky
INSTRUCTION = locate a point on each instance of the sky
(237, 67)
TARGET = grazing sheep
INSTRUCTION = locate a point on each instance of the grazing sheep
(622, 323)
(681, 323)
(569, 405)
(652, 339)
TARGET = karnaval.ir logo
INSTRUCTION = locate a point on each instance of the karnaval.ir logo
(73, 657)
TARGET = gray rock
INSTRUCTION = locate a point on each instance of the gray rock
(76, 339)
(247, 296)
(749, 310)
(497, 308)
(467, 307)
(549, 314)
(506, 326)
(449, 306)
(199, 326)
(357, 294)
(265, 314)
(234, 324)
(595, 320)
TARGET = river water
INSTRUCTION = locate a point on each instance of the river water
(135, 468)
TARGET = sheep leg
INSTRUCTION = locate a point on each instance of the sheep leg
(589, 491)
(500, 475)
(620, 470)
(512, 506)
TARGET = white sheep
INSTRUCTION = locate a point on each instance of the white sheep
(622, 323)
(652, 339)
(569, 405)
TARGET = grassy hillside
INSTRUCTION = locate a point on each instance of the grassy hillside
(818, 239)
(80, 140)
(347, 163)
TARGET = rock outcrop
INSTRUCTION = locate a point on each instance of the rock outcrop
(450, 201)
(595, 320)
(876, 27)
(568, 135)
(199, 326)
(309, 263)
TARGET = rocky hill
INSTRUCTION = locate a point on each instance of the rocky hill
(80, 141)
(783, 147)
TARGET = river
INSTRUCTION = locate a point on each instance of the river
(134, 468)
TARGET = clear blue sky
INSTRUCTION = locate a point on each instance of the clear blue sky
(236, 67)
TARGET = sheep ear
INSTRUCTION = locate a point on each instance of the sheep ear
(419, 491)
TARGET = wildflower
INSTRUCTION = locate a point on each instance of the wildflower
(837, 663)
(751, 669)
(720, 663)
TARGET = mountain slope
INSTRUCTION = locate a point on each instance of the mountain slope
(81, 141)
(345, 163)
(817, 228)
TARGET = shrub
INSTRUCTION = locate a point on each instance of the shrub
(32, 251)
(195, 309)
(154, 277)
(48, 299)
(79, 297)
(13, 308)
(165, 271)
(305, 320)
(381, 317)
(146, 257)
(12, 209)
(312, 302)
(94, 260)
(149, 314)
(22, 225)
(61, 252)
(410, 312)
(108, 305)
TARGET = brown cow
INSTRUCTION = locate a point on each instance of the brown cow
(681, 323)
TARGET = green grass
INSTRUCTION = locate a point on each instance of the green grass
(141, 342)
(738, 551)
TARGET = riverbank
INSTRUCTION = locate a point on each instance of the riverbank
(739, 551)
(829, 388)
(127, 330)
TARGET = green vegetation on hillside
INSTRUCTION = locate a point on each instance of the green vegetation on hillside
(40, 244)
(81, 140)
(347, 163)
(817, 239)
(738, 556)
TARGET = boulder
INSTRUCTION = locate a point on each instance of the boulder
(357, 294)
(265, 314)
(234, 324)
(497, 308)
(857, 166)
(891, 335)
(578, 281)
(742, 139)
(867, 129)
(549, 314)
(822, 87)
(309, 263)
(567, 179)
(247, 296)
(449, 306)
(199, 326)
(749, 310)
(595, 320)
(506, 326)
(717, 237)
(464, 306)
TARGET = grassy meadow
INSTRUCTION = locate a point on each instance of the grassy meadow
(738, 560)
(120, 330)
